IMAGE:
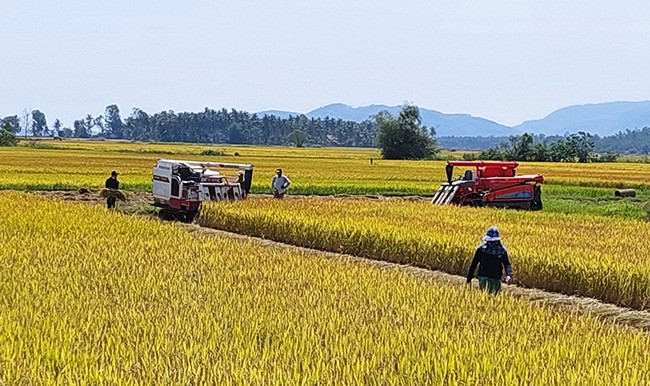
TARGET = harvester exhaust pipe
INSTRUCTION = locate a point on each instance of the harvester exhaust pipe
(450, 171)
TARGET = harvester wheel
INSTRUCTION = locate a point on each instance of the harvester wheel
(176, 215)
(167, 214)
(189, 217)
(474, 200)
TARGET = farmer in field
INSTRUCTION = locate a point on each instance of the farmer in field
(113, 184)
(279, 184)
(492, 258)
(240, 181)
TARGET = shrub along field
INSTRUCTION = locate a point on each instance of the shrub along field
(53, 165)
(98, 297)
(599, 257)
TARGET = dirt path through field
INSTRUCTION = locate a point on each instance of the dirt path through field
(138, 204)
(609, 312)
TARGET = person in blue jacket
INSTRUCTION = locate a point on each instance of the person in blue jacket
(491, 258)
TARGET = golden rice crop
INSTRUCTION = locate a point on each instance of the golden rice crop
(91, 296)
(74, 164)
(598, 257)
(609, 175)
(322, 171)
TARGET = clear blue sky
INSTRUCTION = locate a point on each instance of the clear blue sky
(504, 60)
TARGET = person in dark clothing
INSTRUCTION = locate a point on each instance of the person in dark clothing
(491, 258)
(113, 184)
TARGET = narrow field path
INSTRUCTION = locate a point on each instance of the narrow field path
(609, 312)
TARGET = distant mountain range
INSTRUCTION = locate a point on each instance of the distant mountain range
(602, 119)
(445, 124)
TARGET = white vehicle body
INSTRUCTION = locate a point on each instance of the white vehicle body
(181, 186)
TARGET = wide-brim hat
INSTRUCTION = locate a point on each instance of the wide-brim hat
(492, 234)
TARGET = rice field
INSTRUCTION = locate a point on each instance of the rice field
(595, 256)
(52, 163)
(95, 297)
(315, 171)
(70, 165)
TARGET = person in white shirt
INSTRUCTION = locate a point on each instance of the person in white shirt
(279, 184)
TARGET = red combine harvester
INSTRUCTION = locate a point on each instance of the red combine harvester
(490, 184)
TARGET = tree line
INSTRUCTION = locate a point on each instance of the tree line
(402, 136)
(399, 137)
(578, 147)
(628, 142)
(207, 126)
(631, 142)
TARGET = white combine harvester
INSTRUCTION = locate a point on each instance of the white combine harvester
(179, 187)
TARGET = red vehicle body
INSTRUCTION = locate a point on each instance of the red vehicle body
(490, 184)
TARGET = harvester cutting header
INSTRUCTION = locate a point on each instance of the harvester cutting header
(179, 187)
(490, 184)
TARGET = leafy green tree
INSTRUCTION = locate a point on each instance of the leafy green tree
(57, 127)
(39, 124)
(540, 152)
(89, 123)
(492, 154)
(113, 122)
(80, 129)
(7, 138)
(10, 124)
(66, 132)
(404, 137)
(581, 146)
(98, 122)
(139, 126)
(521, 148)
(576, 147)
(235, 134)
(627, 142)
(559, 152)
(298, 138)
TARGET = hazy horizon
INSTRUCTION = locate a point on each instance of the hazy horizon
(507, 61)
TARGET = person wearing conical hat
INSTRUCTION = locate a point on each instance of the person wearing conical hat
(491, 257)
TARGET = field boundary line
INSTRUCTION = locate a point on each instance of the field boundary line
(627, 317)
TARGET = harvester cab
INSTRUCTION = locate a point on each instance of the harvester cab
(490, 184)
(179, 187)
